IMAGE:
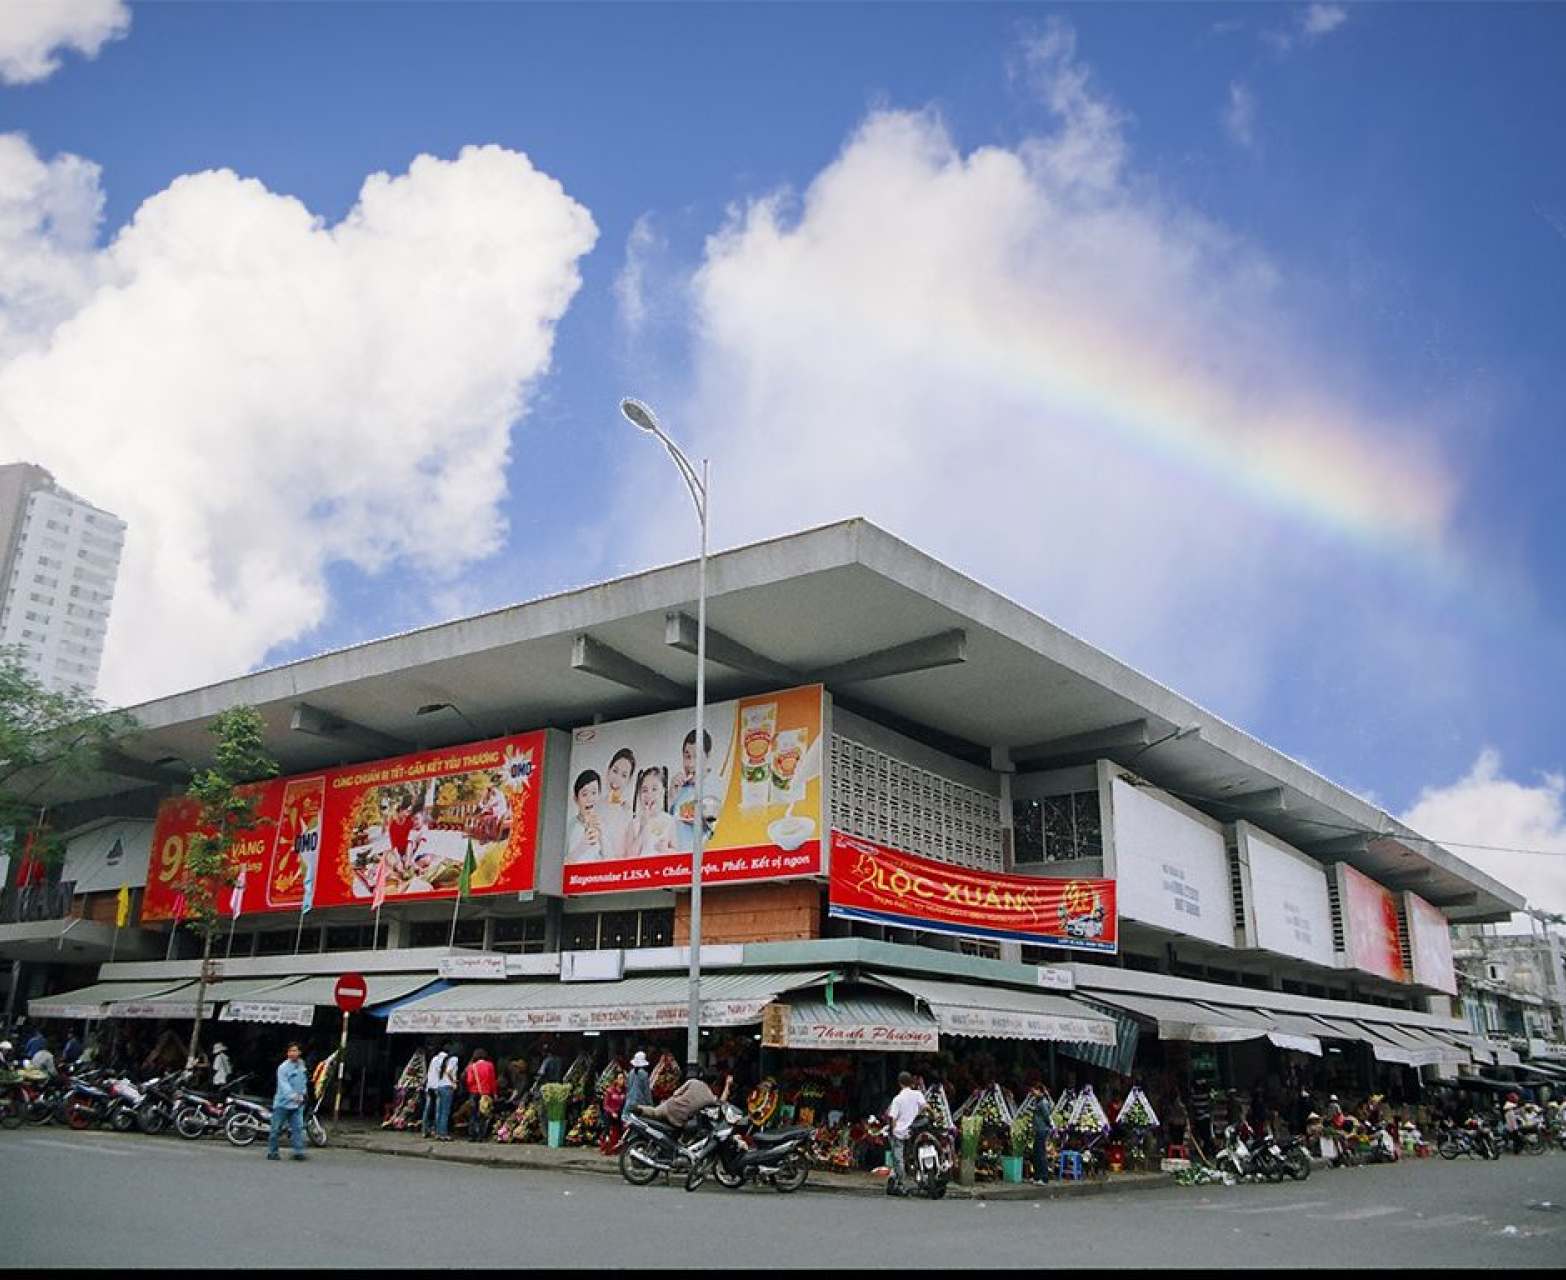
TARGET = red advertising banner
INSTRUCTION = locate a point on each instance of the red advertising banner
(416, 813)
(637, 788)
(871, 882)
(1370, 925)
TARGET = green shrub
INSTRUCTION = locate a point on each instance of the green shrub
(555, 1097)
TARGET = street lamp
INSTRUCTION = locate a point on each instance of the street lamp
(640, 416)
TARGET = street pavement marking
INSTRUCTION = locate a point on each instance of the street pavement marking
(1448, 1220)
(1292, 1207)
(76, 1146)
(1359, 1215)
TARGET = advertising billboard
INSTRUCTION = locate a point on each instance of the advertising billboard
(1372, 940)
(636, 789)
(871, 882)
(415, 815)
(1430, 944)
(1288, 907)
(1171, 864)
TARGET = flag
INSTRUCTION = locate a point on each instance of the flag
(309, 886)
(236, 900)
(468, 867)
(122, 910)
(179, 907)
(380, 884)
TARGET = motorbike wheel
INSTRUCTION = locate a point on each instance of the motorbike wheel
(241, 1129)
(1298, 1165)
(152, 1120)
(122, 1120)
(190, 1123)
(1450, 1150)
(633, 1170)
(936, 1189)
(792, 1176)
(727, 1178)
(315, 1131)
(1533, 1144)
(11, 1113)
(696, 1175)
(78, 1116)
(42, 1111)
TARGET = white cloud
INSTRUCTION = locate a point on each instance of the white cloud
(1240, 118)
(1486, 808)
(261, 395)
(1029, 363)
(34, 33)
(1308, 25)
(630, 286)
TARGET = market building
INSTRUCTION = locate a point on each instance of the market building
(940, 831)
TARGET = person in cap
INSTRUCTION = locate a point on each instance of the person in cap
(638, 1084)
(222, 1066)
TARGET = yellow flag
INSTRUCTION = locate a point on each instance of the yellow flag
(122, 914)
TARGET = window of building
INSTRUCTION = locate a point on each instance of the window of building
(524, 935)
(434, 933)
(280, 942)
(1058, 828)
(355, 937)
(579, 932)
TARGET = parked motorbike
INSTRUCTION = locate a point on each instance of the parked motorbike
(86, 1104)
(735, 1152)
(198, 1112)
(652, 1147)
(1471, 1139)
(251, 1118)
(928, 1157)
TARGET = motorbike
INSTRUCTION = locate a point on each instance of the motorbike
(85, 1104)
(1290, 1155)
(1472, 1139)
(652, 1147)
(928, 1157)
(735, 1152)
(198, 1112)
(1237, 1158)
(250, 1118)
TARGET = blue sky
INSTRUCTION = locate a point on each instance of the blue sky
(1229, 337)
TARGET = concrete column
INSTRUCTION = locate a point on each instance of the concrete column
(1000, 761)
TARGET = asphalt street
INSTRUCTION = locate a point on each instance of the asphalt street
(109, 1200)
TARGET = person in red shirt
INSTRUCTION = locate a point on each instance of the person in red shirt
(480, 1081)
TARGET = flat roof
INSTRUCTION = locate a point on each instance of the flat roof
(896, 636)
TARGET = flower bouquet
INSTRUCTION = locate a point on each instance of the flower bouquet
(523, 1125)
(1137, 1119)
(762, 1103)
(556, 1098)
(405, 1097)
(1060, 1114)
(665, 1077)
(588, 1127)
(1087, 1123)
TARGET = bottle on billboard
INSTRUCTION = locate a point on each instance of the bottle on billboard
(298, 842)
(758, 727)
(788, 749)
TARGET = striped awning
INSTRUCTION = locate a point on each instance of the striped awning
(94, 1001)
(296, 1002)
(181, 1002)
(862, 1021)
(1006, 1013)
(1189, 1019)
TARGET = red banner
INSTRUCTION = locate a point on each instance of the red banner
(417, 813)
(871, 882)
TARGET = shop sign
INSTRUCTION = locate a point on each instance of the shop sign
(299, 1015)
(864, 1036)
(1371, 934)
(870, 882)
(472, 967)
(639, 1017)
(774, 1026)
(1056, 979)
(418, 814)
(1023, 1026)
(1430, 943)
(635, 795)
(148, 1009)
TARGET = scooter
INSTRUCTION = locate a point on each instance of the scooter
(250, 1118)
(735, 1152)
(652, 1147)
(928, 1157)
(198, 1112)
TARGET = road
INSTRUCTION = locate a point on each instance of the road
(101, 1200)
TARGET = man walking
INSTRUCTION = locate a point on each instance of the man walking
(288, 1103)
(904, 1110)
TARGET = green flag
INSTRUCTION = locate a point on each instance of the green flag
(468, 866)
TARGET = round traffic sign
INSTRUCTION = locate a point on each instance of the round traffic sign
(350, 992)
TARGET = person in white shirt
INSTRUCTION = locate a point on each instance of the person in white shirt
(222, 1067)
(904, 1110)
(433, 1077)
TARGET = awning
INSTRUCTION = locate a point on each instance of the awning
(1505, 1055)
(967, 1009)
(1550, 1074)
(1447, 1046)
(181, 1002)
(1188, 1019)
(1483, 1053)
(93, 1001)
(1384, 1048)
(861, 1021)
(297, 1002)
(632, 1004)
(1286, 1030)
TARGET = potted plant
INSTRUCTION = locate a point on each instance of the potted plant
(1021, 1141)
(970, 1133)
(555, 1097)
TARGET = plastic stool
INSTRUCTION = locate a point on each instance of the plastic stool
(1070, 1165)
(1176, 1153)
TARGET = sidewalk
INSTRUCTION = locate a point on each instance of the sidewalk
(362, 1135)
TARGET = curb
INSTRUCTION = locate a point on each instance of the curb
(531, 1156)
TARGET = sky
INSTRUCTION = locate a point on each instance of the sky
(1227, 337)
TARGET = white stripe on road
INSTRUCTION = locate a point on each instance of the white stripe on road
(75, 1146)
(1267, 1208)
(1360, 1215)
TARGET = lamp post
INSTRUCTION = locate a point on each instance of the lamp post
(643, 418)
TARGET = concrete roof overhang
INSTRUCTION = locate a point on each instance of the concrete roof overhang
(895, 635)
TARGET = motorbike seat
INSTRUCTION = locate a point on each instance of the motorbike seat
(774, 1137)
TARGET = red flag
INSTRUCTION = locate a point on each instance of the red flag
(380, 884)
(179, 907)
(30, 871)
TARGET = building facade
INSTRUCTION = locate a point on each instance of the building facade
(59, 559)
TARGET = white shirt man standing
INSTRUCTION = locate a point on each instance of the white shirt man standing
(904, 1110)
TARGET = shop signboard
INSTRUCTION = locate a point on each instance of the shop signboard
(418, 814)
(1430, 944)
(870, 882)
(1171, 864)
(774, 1026)
(486, 967)
(1288, 907)
(269, 1011)
(865, 1037)
(635, 794)
(1372, 939)
(564, 1017)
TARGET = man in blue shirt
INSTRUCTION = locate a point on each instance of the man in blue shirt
(288, 1104)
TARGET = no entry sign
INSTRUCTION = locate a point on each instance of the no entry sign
(350, 992)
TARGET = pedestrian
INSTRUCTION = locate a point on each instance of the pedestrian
(904, 1110)
(433, 1075)
(1042, 1124)
(445, 1092)
(638, 1085)
(288, 1103)
(32, 1044)
(552, 1069)
(43, 1058)
(72, 1049)
(480, 1081)
(222, 1067)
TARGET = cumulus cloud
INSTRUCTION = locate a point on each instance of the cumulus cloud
(1484, 816)
(1240, 117)
(261, 395)
(34, 34)
(1026, 361)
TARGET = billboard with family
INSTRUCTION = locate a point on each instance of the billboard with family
(402, 827)
(637, 787)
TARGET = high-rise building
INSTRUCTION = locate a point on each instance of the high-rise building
(59, 557)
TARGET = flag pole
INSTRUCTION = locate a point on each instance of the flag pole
(114, 944)
(456, 906)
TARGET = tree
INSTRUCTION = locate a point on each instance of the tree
(227, 812)
(47, 737)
